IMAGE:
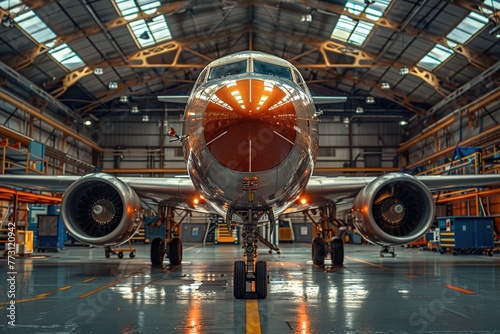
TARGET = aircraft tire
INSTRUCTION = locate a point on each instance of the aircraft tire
(318, 251)
(175, 251)
(239, 288)
(337, 251)
(261, 279)
(120, 255)
(157, 251)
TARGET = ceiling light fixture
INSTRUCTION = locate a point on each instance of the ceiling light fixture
(370, 99)
(145, 118)
(495, 31)
(113, 85)
(404, 70)
(306, 18)
(134, 110)
(403, 122)
(124, 98)
(144, 35)
(98, 71)
(385, 85)
(8, 21)
(359, 110)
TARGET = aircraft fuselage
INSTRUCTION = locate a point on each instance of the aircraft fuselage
(252, 134)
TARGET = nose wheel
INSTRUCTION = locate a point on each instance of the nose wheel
(250, 276)
(250, 284)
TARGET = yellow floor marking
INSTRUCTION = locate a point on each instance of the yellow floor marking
(368, 263)
(191, 247)
(89, 279)
(252, 317)
(108, 285)
(40, 296)
(456, 288)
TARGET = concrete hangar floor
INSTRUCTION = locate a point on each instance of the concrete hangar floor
(78, 290)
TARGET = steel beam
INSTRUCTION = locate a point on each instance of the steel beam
(44, 118)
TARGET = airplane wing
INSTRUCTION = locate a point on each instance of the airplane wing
(391, 209)
(319, 188)
(316, 99)
(322, 190)
(328, 99)
(341, 186)
(394, 208)
(174, 98)
(177, 191)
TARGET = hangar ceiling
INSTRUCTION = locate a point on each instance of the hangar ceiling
(407, 55)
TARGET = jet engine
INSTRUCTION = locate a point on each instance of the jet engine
(394, 209)
(101, 210)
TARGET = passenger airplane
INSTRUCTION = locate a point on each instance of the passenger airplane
(250, 143)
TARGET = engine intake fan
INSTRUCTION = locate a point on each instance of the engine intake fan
(100, 210)
(394, 209)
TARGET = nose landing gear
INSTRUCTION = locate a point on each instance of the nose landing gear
(250, 276)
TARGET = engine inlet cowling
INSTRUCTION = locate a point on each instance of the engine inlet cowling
(100, 210)
(394, 209)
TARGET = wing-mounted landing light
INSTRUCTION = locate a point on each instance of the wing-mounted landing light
(175, 137)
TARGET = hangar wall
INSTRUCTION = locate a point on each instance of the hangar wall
(19, 121)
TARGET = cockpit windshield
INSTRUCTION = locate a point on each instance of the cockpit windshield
(272, 69)
(228, 69)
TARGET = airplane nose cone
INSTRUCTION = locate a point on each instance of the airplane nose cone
(250, 125)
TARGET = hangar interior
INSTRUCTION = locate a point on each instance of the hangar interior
(79, 87)
(80, 81)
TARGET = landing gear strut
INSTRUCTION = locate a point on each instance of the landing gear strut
(327, 241)
(172, 244)
(250, 275)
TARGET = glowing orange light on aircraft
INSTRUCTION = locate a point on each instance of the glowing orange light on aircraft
(303, 201)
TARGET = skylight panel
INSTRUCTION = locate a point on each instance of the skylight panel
(152, 31)
(8, 4)
(356, 31)
(66, 57)
(349, 30)
(438, 55)
(130, 8)
(127, 8)
(494, 4)
(467, 28)
(374, 11)
(35, 27)
(147, 32)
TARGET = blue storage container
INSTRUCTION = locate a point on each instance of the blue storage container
(51, 233)
(465, 233)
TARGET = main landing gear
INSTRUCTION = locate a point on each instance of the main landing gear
(250, 276)
(172, 244)
(327, 242)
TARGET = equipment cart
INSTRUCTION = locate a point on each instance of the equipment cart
(470, 235)
(119, 251)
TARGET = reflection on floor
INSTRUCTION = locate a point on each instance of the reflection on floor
(78, 290)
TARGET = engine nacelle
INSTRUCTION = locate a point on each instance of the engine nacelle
(394, 209)
(101, 210)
